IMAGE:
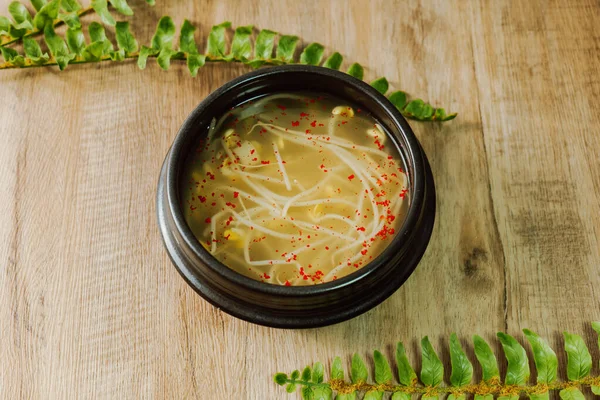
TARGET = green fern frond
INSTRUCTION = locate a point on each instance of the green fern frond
(516, 381)
(73, 49)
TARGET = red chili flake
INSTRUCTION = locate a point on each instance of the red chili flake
(313, 124)
(307, 131)
(207, 220)
(229, 221)
(227, 237)
(252, 151)
(361, 228)
(202, 199)
(295, 123)
(266, 276)
(350, 177)
(403, 193)
(211, 176)
(236, 194)
(303, 114)
(363, 252)
(265, 162)
(255, 159)
(390, 158)
(282, 108)
(326, 247)
(230, 204)
(192, 207)
(287, 283)
(213, 204)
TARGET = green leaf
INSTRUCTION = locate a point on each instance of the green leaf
(346, 396)
(101, 8)
(400, 396)
(145, 52)
(317, 372)
(38, 4)
(462, 369)
(430, 397)
(373, 396)
(165, 56)
(306, 374)
(118, 55)
(255, 63)
(334, 61)
(195, 62)
(321, 393)
(75, 41)
(94, 51)
(484, 397)
(312, 54)
(57, 47)
(165, 32)
(381, 85)
(263, 48)
(217, 41)
(356, 70)
(406, 374)
(187, 43)
(418, 109)
(71, 19)
(337, 371)
(383, 372)
(97, 33)
(486, 358)
(12, 56)
(5, 26)
(34, 52)
(579, 360)
(398, 99)
(571, 394)
(432, 370)
(596, 327)
(121, 6)
(20, 15)
(307, 393)
(452, 396)
(545, 359)
(517, 372)
(241, 47)
(70, 5)
(295, 375)
(358, 371)
(151, 2)
(280, 378)
(596, 390)
(46, 15)
(125, 39)
(286, 48)
(291, 388)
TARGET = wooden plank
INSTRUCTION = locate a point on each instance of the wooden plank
(90, 306)
(537, 71)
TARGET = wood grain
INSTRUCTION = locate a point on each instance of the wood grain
(90, 306)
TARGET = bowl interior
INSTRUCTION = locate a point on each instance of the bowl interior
(286, 80)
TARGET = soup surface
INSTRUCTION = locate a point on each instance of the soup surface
(295, 189)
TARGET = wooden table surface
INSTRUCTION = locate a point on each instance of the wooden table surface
(90, 305)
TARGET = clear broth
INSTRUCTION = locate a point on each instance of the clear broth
(295, 189)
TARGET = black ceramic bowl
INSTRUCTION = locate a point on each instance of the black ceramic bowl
(303, 306)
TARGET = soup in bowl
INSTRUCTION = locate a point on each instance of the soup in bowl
(295, 196)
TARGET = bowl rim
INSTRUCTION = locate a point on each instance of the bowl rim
(412, 154)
